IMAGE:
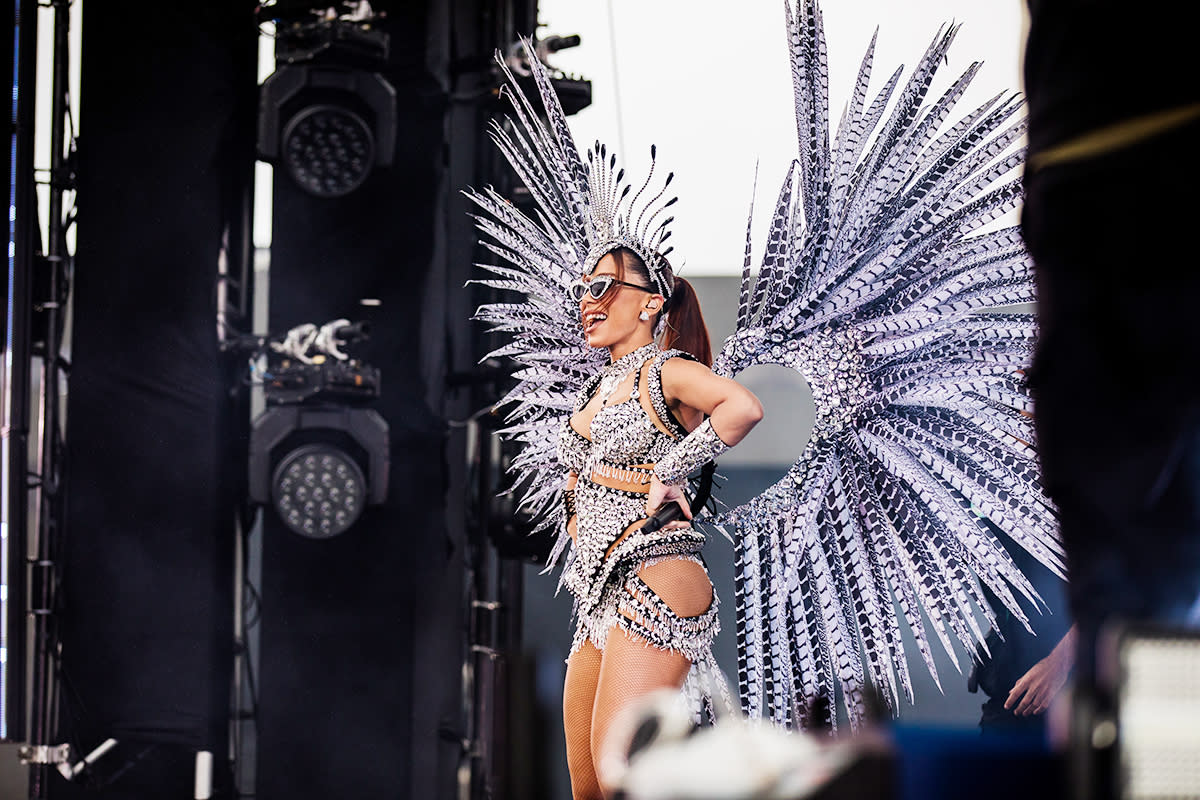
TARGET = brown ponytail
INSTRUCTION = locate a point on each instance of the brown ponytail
(685, 329)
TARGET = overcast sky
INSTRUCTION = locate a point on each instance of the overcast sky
(713, 91)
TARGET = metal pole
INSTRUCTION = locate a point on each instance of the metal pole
(239, 653)
(15, 376)
(475, 650)
(46, 533)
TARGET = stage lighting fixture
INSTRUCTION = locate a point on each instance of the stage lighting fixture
(318, 467)
(317, 455)
(328, 150)
(327, 114)
(573, 92)
(1157, 722)
(318, 490)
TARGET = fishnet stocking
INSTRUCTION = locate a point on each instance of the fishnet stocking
(630, 668)
(579, 696)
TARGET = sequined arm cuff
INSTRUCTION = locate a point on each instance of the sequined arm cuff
(698, 447)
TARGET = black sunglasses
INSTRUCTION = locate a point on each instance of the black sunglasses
(598, 286)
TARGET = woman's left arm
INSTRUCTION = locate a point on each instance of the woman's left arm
(731, 410)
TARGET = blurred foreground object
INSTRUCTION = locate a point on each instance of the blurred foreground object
(1137, 735)
(655, 752)
(1110, 205)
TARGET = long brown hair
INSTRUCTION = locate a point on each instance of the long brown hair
(685, 329)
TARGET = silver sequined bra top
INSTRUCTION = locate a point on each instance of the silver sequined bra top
(622, 434)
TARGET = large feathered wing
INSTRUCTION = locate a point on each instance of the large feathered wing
(544, 253)
(876, 284)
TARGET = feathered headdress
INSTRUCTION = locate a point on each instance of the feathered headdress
(633, 224)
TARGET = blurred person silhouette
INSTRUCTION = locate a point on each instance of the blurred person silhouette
(1022, 671)
(1110, 205)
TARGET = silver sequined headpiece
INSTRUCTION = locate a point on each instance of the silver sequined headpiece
(618, 221)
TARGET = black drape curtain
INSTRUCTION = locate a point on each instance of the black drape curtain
(147, 564)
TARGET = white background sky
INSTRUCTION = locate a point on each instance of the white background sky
(710, 84)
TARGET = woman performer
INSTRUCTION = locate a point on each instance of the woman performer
(645, 605)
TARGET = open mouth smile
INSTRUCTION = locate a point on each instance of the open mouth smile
(592, 320)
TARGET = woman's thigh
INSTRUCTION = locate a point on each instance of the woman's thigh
(682, 584)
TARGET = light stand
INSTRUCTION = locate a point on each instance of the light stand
(45, 497)
(15, 371)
